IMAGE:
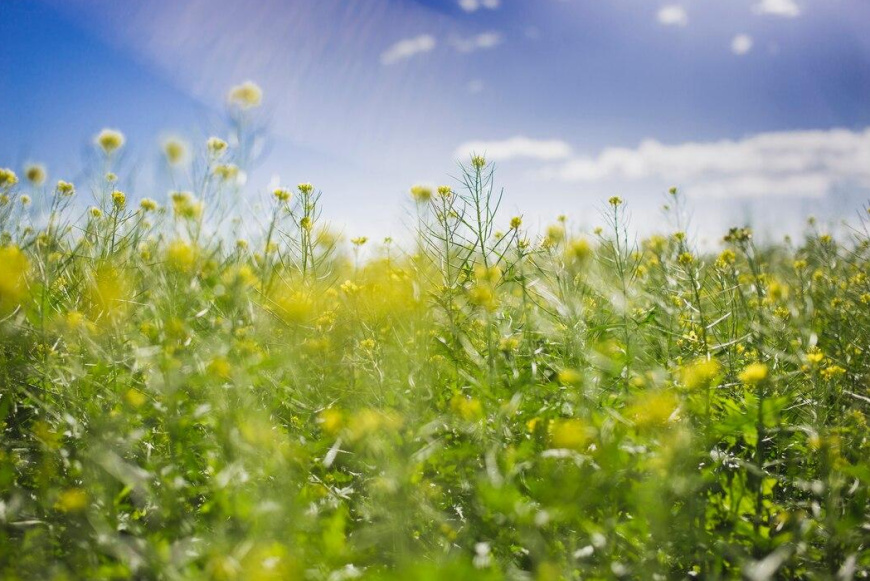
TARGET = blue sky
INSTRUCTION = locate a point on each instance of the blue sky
(754, 107)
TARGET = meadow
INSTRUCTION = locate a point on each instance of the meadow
(180, 399)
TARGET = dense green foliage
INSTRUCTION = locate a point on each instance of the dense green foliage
(178, 404)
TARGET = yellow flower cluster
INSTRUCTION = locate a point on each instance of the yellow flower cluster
(700, 373)
(753, 374)
(36, 174)
(14, 267)
(65, 189)
(7, 178)
(119, 199)
(283, 195)
(246, 96)
(184, 206)
(175, 151)
(110, 140)
(421, 194)
(181, 256)
(216, 146)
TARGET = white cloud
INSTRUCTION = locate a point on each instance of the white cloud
(516, 147)
(806, 163)
(481, 41)
(741, 44)
(405, 49)
(787, 8)
(673, 15)
(474, 5)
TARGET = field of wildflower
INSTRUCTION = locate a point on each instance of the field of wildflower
(181, 399)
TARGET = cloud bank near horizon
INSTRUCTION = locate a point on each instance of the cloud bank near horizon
(797, 163)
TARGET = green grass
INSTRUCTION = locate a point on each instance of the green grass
(482, 404)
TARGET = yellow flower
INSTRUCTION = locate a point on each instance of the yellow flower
(226, 172)
(181, 256)
(815, 356)
(686, 258)
(753, 374)
(516, 222)
(349, 287)
(654, 409)
(216, 146)
(483, 296)
(109, 293)
(833, 371)
(148, 205)
(25, 200)
(359, 241)
(777, 291)
(570, 376)
(35, 174)
(243, 275)
(556, 233)
(180, 198)
(74, 320)
(95, 212)
(478, 162)
(65, 189)
(370, 421)
(700, 373)
(175, 151)
(293, 306)
(119, 199)
(13, 277)
(330, 420)
(246, 96)
(305, 188)
(135, 398)
(185, 206)
(468, 409)
(445, 191)
(282, 194)
(726, 258)
(615, 201)
(508, 344)
(572, 434)
(491, 275)
(110, 140)
(7, 178)
(72, 500)
(579, 250)
(220, 368)
(421, 194)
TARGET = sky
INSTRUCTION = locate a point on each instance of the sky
(758, 110)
